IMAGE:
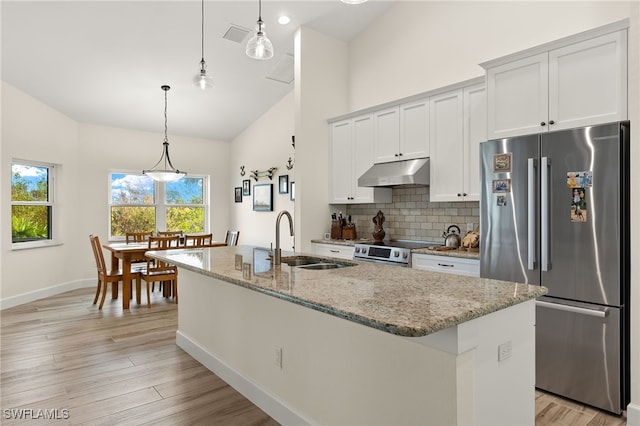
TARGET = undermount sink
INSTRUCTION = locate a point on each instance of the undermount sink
(314, 263)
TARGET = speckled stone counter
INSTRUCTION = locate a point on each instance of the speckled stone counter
(397, 300)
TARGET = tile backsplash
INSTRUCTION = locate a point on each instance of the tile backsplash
(412, 216)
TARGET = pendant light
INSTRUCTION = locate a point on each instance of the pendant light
(259, 46)
(169, 173)
(202, 80)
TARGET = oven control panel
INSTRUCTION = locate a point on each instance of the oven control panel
(382, 254)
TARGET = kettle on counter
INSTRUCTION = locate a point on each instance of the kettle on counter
(451, 239)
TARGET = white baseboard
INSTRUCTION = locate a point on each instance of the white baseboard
(633, 414)
(12, 301)
(258, 396)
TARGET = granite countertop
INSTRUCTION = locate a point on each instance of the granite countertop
(450, 253)
(401, 301)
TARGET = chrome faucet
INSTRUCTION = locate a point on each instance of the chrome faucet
(277, 252)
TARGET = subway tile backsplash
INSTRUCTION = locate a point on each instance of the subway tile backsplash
(412, 216)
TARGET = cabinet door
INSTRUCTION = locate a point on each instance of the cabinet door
(518, 97)
(387, 135)
(362, 156)
(588, 82)
(333, 250)
(475, 131)
(447, 264)
(446, 165)
(340, 162)
(414, 129)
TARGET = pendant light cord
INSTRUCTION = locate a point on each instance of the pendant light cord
(202, 32)
(165, 115)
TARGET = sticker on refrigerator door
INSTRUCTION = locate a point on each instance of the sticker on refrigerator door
(502, 185)
(578, 205)
(581, 179)
(502, 163)
(501, 201)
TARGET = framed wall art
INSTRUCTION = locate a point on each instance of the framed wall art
(263, 197)
(246, 187)
(283, 184)
(238, 194)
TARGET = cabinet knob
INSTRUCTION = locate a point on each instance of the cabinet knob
(552, 122)
(395, 155)
(464, 194)
(459, 194)
(400, 154)
(542, 123)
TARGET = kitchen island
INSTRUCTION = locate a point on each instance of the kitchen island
(363, 344)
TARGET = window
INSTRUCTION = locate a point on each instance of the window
(138, 204)
(32, 207)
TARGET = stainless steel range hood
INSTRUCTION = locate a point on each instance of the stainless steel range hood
(397, 173)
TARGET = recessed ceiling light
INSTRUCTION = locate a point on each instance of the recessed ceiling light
(353, 1)
(284, 20)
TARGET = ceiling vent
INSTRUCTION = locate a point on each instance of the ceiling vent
(236, 33)
(283, 71)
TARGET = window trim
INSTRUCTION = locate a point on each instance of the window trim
(160, 201)
(51, 202)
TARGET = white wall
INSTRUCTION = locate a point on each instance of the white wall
(321, 67)
(33, 131)
(422, 45)
(86, 153)
(264, 144)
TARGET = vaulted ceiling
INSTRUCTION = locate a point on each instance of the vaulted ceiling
(103, 62)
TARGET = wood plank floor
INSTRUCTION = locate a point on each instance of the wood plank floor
(112, 367)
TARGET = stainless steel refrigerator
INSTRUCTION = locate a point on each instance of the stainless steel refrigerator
(554, 211)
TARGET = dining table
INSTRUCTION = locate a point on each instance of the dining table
(129, 253)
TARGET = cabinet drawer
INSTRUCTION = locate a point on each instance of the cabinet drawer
(333, 250)
(447, 264)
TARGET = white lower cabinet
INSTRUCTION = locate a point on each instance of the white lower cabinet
(447, 264)
(333, 250)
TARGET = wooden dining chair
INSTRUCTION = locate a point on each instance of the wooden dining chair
(137, 237)
(169, 233)
(231, 238)
(198, 240)
(105, 276)
(158, 270)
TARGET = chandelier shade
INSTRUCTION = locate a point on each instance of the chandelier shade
(163, 170)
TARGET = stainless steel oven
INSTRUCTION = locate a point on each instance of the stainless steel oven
(392, 252)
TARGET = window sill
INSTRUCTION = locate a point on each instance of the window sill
(34, 244)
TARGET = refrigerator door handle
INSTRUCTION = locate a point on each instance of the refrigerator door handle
(599, 313)
(531, 225)
(545, 164)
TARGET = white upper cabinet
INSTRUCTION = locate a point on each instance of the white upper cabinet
(351, 154)
(475, 131)
(576, 83)
(402, 132)
(387, 135)
(458, 125)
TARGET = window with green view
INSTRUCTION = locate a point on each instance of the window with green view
(31, 202)
(138, 204)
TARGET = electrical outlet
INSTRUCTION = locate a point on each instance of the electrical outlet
(504, 351)
(278, 357)
(469, 226)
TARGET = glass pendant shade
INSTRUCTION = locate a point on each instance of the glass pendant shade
(168, 173)
(202, 80)
(259, 46)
